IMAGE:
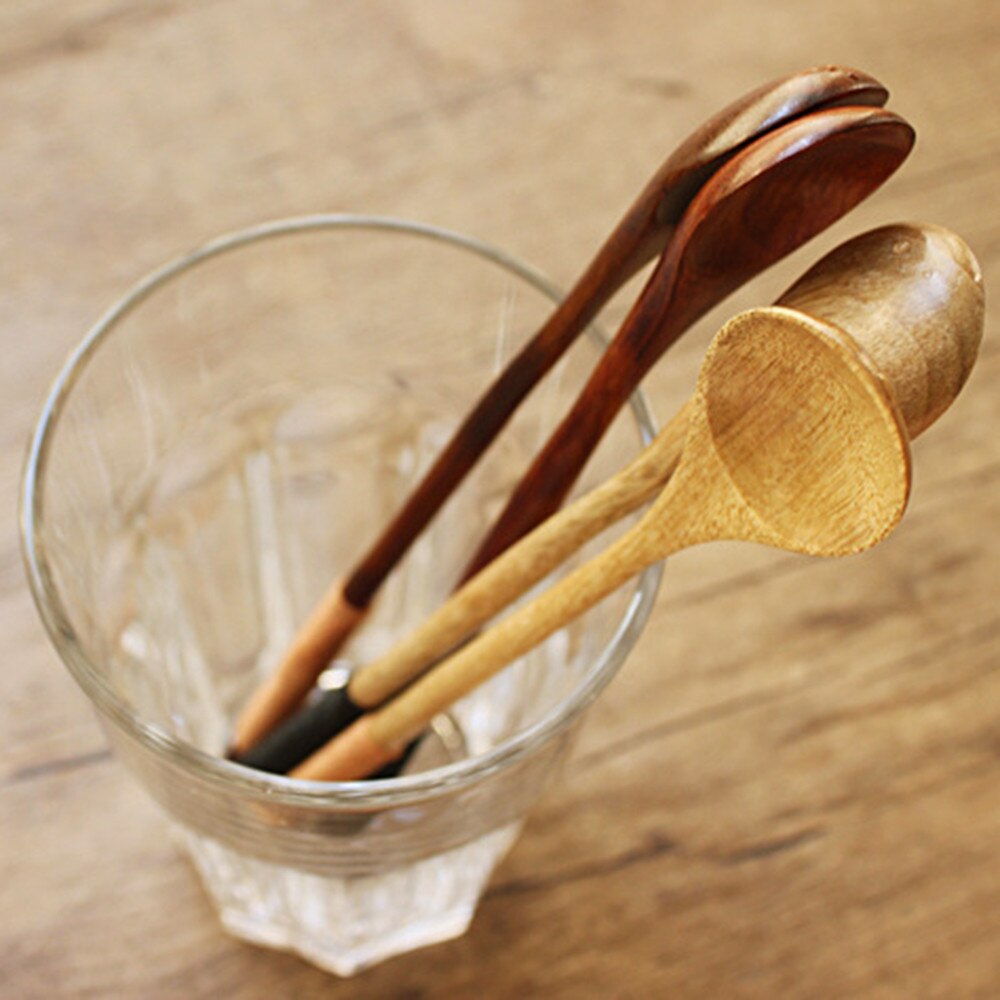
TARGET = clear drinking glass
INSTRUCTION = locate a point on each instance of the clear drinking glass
(224, 442)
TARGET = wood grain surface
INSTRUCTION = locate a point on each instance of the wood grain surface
(793, 787)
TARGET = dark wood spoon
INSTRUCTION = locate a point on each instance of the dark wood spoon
(641, 235)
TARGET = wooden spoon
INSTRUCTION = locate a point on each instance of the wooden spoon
(640, 235)
(763, 203)
(792, 442)
(910, 297)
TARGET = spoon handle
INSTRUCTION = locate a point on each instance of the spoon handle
(380, 736)
(522, 566)
(554, 470)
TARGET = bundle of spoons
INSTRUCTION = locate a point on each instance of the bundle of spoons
(797, 437)
(760, 205)
(865, 150)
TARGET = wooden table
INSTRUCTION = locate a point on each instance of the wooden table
(793, 789)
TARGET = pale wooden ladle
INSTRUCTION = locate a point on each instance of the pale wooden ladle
(792, 442)
(910, 296)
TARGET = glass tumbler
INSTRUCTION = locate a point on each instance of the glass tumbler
(225, 442)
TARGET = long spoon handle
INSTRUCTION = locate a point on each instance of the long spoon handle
(522, 566)
(379, 737)
(553, 472)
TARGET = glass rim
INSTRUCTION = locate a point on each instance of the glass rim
(275, 788)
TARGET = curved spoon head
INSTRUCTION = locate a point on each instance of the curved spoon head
(651, 221)
(815, 453)
(911, 296)
(757, 112)
(779, 193)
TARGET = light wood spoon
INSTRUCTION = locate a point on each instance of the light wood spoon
(640, 236)
(909, 296)
(792, 442)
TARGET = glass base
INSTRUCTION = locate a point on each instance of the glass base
(348, 962)
(345, 924)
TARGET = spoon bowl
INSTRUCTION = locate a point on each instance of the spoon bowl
(803, 433)
(649, 223)
(912, 297)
